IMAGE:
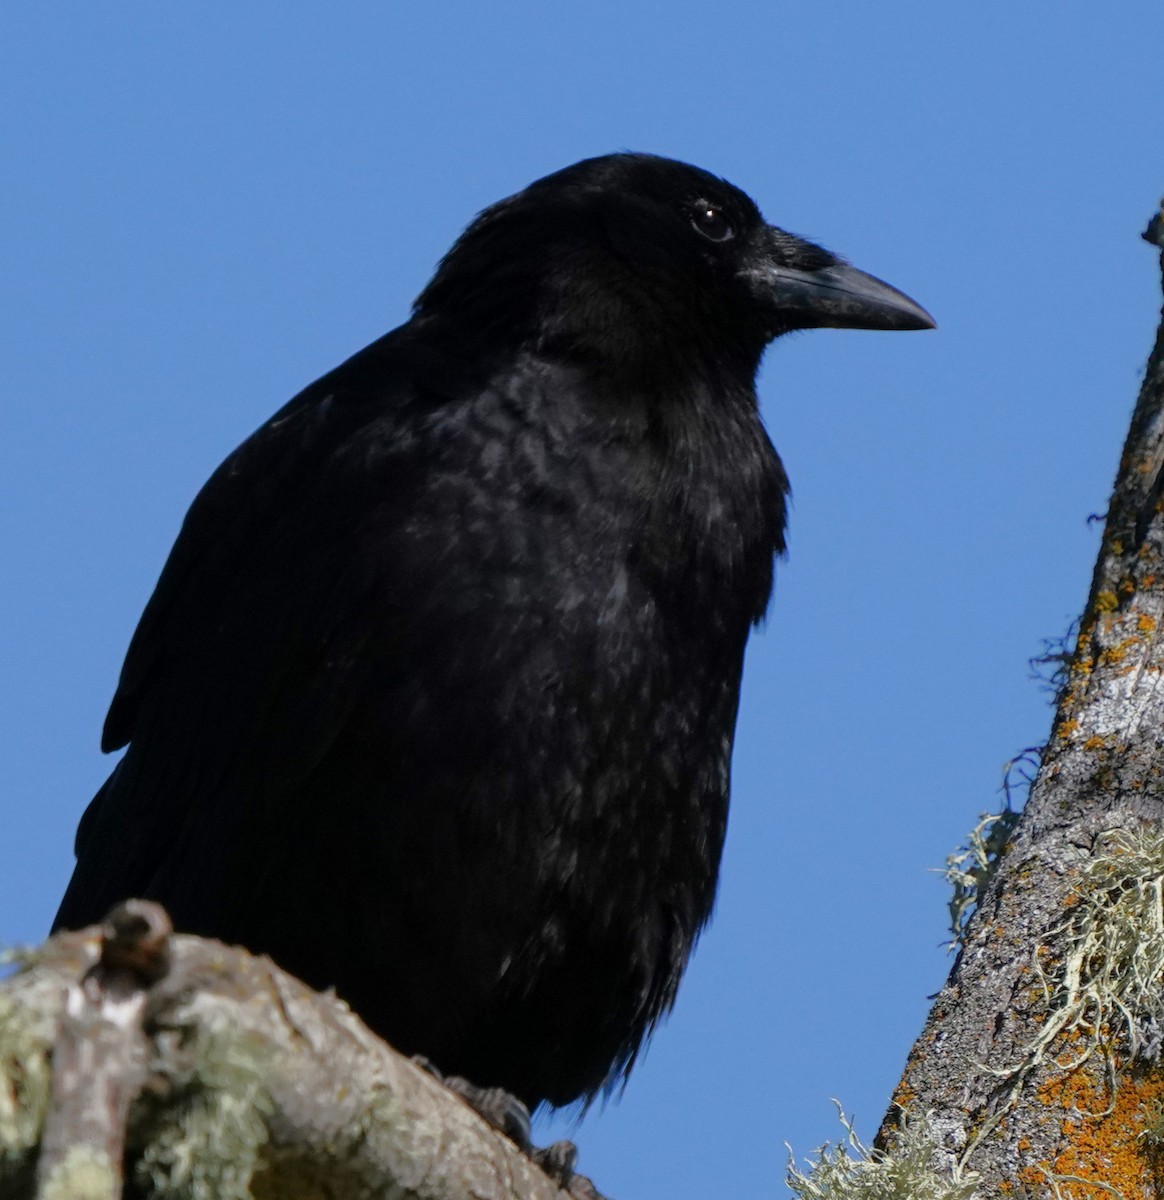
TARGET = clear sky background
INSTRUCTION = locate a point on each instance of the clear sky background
(206, 206)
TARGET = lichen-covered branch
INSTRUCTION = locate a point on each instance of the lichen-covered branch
(1041, 1064)
(213, 1075)
(99, 1059)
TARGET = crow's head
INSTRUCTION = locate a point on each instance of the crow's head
(634, 261)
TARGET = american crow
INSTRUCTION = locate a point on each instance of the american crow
(434, 700)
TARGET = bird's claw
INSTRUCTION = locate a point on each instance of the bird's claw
(501, 1109)
(557, 1160)
(508, 1115)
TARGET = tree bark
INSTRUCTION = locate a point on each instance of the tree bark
(209, 1072)
(1040, 1069)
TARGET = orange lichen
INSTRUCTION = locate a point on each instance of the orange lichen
(1107, 602)
(1068, 728)
(1117, 653)
(1094, 743)
(1145, 623)
(1101, 1131)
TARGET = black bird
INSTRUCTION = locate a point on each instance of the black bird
(434, 700)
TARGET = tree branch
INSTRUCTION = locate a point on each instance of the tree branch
(220, 1076)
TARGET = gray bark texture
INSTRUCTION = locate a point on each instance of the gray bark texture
(1041, 1068)
(206, 1073)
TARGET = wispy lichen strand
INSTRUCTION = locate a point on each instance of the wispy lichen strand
(971, 867)
(1104, 986)
(1112, 972)
(915, 1167)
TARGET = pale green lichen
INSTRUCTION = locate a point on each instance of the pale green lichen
(1153, 1131)
(914, 1167)
(85, 1173)
(1061, 1188)
(208, 1141)
(1104, 989)
(25, 1080)
(971, 867)
(1110, 971)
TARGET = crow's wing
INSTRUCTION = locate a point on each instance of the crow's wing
(251, 654)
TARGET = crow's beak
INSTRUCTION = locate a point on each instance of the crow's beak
(838, 297)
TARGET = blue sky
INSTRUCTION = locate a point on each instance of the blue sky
(205, 207)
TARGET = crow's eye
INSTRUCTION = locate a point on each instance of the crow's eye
(711, 222)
